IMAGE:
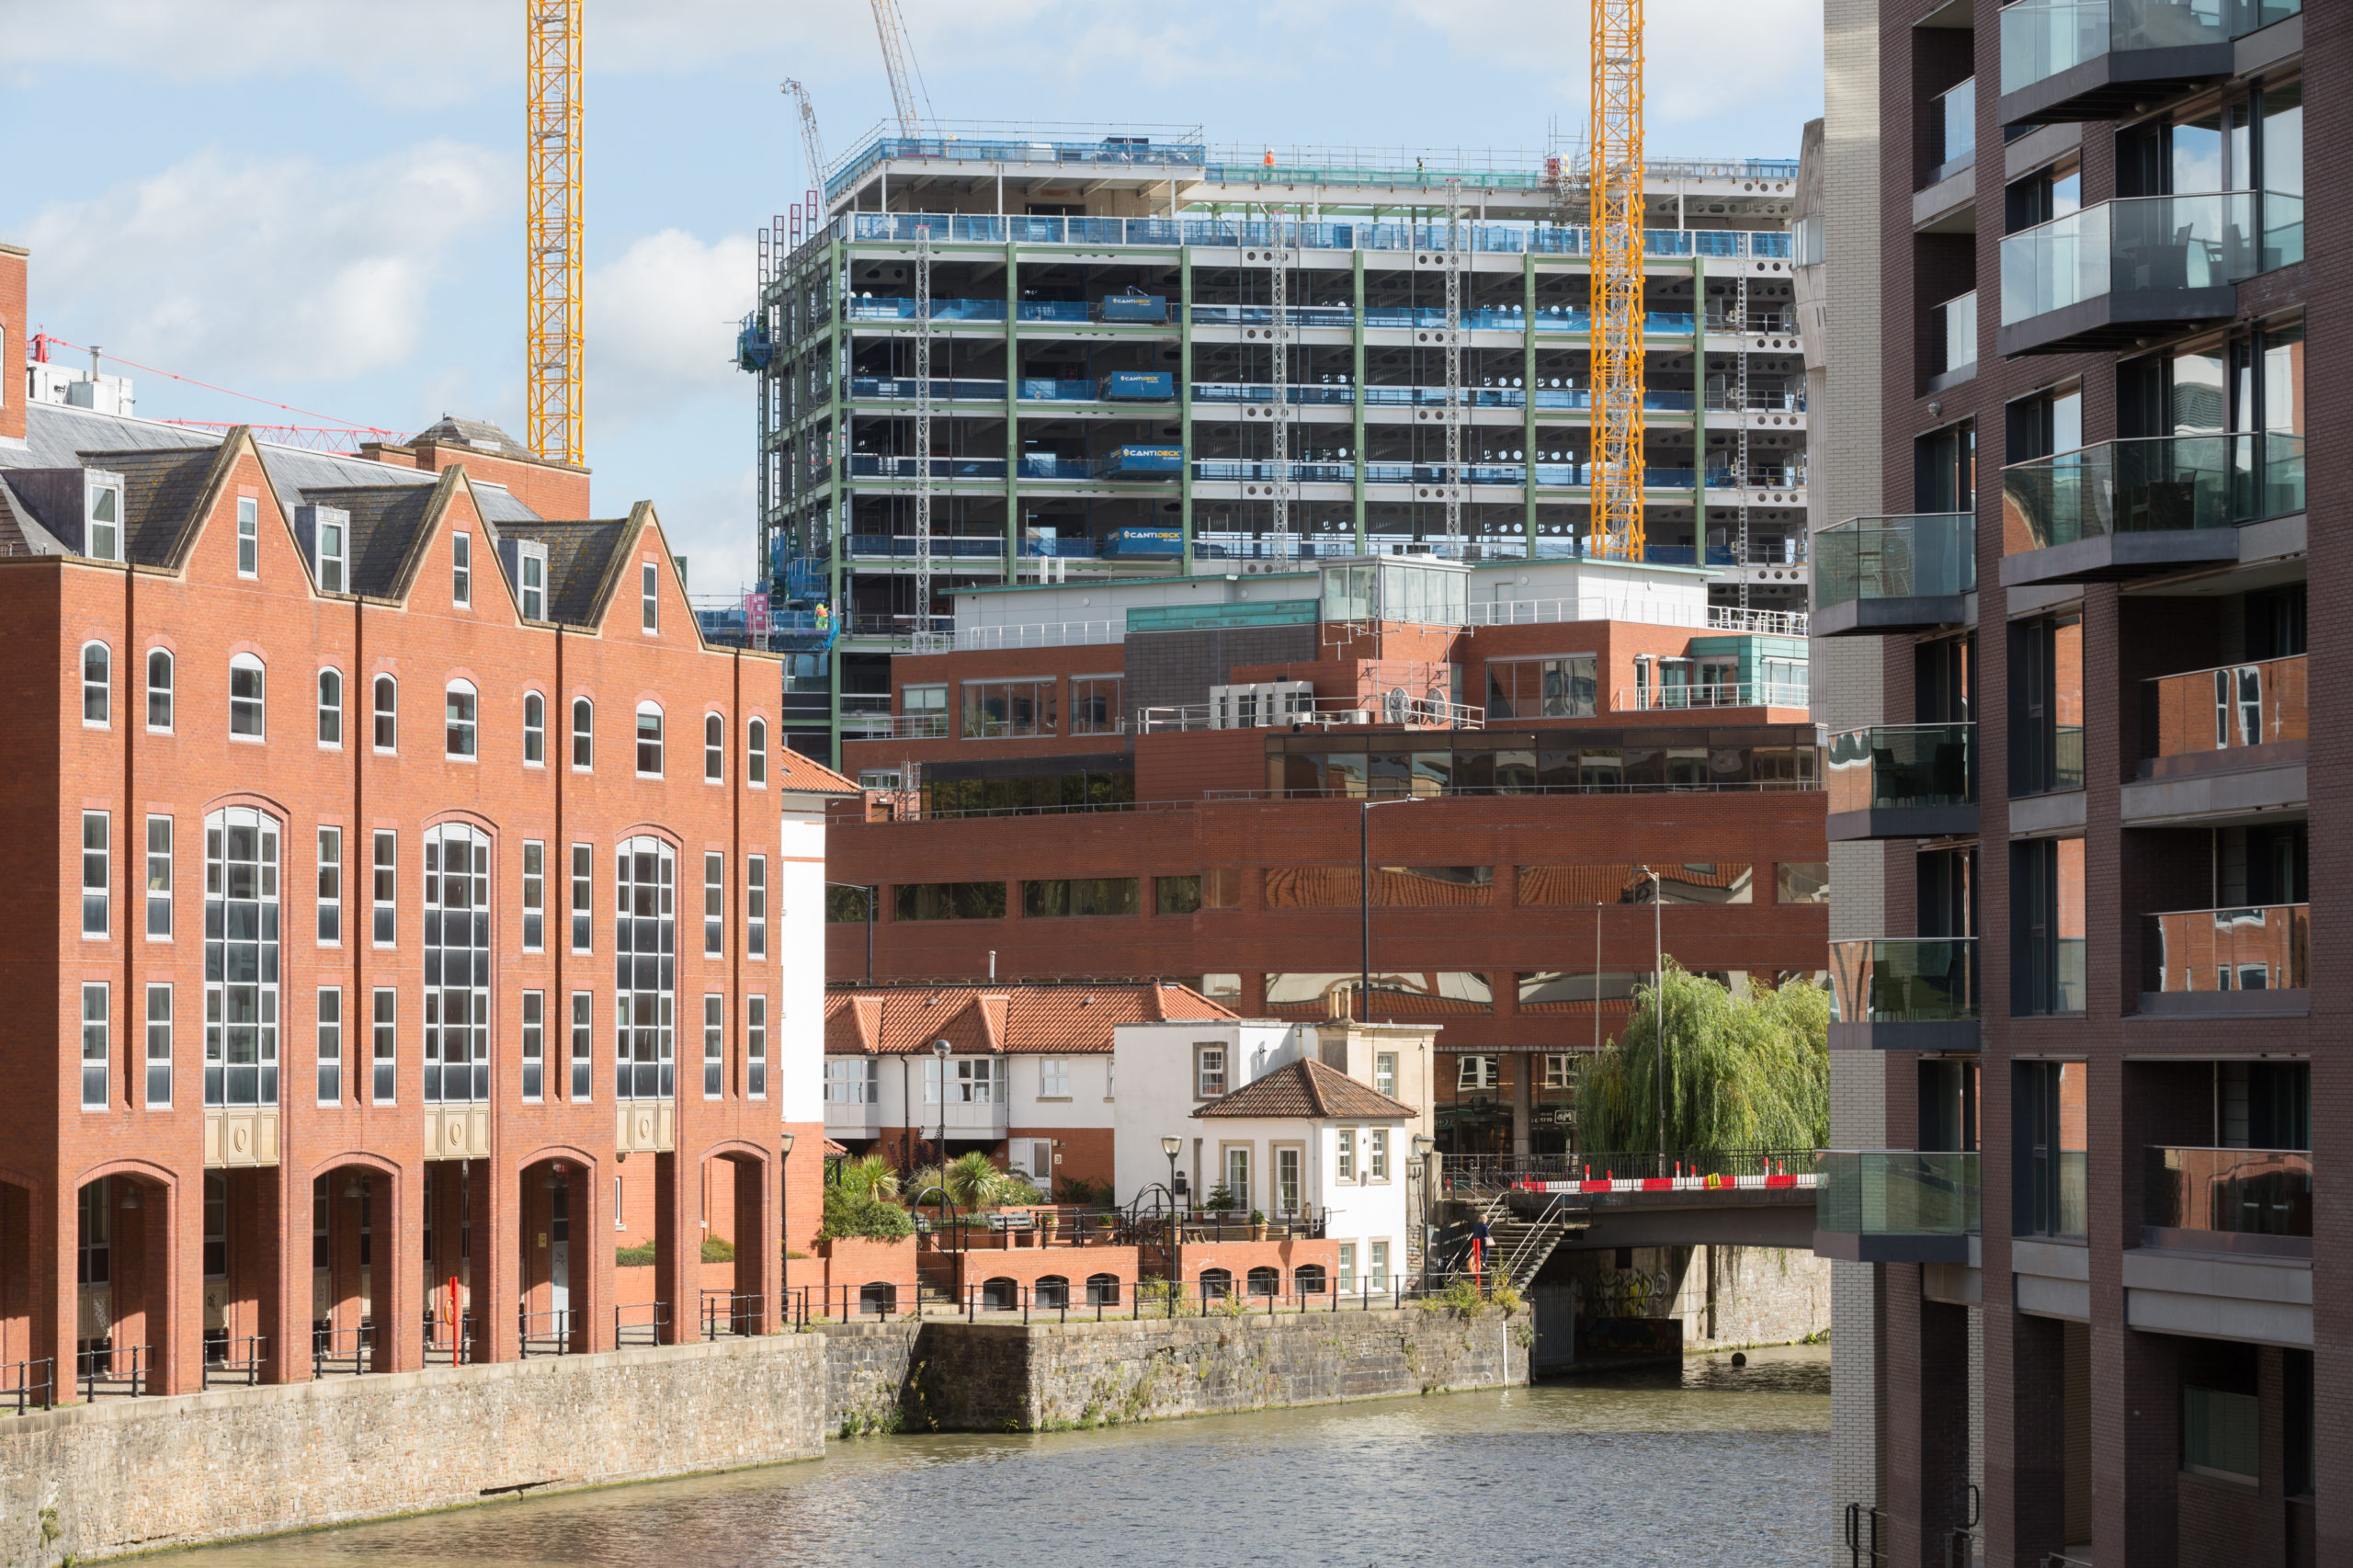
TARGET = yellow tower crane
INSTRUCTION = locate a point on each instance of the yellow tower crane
(1618, 248)
(554, 229)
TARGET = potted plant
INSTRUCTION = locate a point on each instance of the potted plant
(1257, 1224)
(1049, 1223)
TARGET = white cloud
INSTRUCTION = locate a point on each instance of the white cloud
(662, 324)
(265, 271)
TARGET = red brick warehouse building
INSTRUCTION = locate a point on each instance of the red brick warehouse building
(416, 870)
(1182, 777)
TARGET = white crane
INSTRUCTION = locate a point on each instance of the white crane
(896, 53)
(813, 147)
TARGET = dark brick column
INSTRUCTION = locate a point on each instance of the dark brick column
(1928, 1420)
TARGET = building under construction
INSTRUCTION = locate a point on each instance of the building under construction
(997, 354)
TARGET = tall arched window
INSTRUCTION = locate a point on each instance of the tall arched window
(535, 728)
(240, 957)
(714, 748)
(457, 965)
(459, 730)
(388, 713)
(330, 708)
(583, 734)
(756, 755)
(159, 688)
(245, 697)
(97, 684)
(645, 944)
(649, 740)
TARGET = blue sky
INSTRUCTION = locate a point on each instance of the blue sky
(321, 201)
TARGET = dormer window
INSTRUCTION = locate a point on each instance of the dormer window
(104, 531)
(533, 560)
(334, 568)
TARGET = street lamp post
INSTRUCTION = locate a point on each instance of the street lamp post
(940, 1049)
(1423, 1144)
(1658, 997)
(1364, 899)
(1169, 1146)
(784, 1221)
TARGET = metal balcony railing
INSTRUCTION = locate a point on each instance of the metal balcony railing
(2229, 707)
(1896, 1192)
(2254, 947)
(1905, 980)
(2154, 484)
(2230, 1192)
(2043, 38)
(1901, 767)
(1723, 694)
(2138, 244)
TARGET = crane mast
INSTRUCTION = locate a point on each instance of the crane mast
(813, 147)
(1618, 249)
(893, 31)
(557, 329)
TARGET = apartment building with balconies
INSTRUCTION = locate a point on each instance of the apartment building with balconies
(2087, 1077)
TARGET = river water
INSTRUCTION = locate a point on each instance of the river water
(1710, 1465)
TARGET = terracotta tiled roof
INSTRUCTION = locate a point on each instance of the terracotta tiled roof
(806, 774)
(1307, 1087)
(1055, 1021)
(837, 1150)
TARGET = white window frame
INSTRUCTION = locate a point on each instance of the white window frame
(1344, 1154)
(164, 691)
(1384, 1072)
(648, 589)
(714, 748)
(100, 691)
(249, 537)
(461, 571)
(384, 722)
(1204, 1074)
(535, 730)
(583, 895)
(714, 1046)
(535, 1065)
(535, 896)
(584, 736)
(330, 697)
(249, 665)
(649, 710)
(714, 905)
(583, 1061)
(159, 1062)
(328, 929)
(335, 563)
(1476, 1071)
(533, 562)
(159, 870)
(97, 860)
(1376, 1153)
(384, 1046)
(97, 1051)
(1053, 1077)
(462, 722)
(1559, 1071)
(755, 1047)
(1227, 1155)
(384, 897)
(755, 909)
(1346, 1283)
(756, 753)
(330, 1016)
(105, 498)
(1376, 1267)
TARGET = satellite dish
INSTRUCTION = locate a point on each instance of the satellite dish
(1394, 705)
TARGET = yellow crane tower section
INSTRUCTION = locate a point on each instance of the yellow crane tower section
(1618, 248)
(558, 330)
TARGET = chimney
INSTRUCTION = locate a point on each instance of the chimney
(15, 336)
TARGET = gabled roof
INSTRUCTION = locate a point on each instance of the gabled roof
(580, 559)
(386, 520)
(802, 774)
(1306, 1087)
(161, 491)
(995, 1021)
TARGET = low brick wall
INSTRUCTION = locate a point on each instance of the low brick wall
(94, 1481)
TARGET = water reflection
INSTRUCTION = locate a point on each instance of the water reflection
(1703, 1465)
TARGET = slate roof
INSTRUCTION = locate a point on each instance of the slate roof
(1306, 1087)
(451, 431)
(580, 557)
(160, 490)
(384, 522)
(1056, 1020)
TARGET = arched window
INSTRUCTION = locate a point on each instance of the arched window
(1102, 1289)
(459, 731)
(1000, 1295)
(97, 684)
(535, 728)
(240, 962)
(877, 1297)
(1216, 1284)
(583, 734)
(159, 689)
(714, 748)
(331, 707)
(756, 755)
(388, 713)
(1265, 1281)
(1050, 1292)
(245, 697)
(649, 740)
(645, 942)
(457, 955)
(1308, 1279)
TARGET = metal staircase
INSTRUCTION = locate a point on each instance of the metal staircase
(1521, 1246)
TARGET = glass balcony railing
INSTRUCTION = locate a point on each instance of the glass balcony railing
(1957, 116)
(2139, 245)
(1902, 767)
(2256, 947)
(2043, 38)
(2244, 1192)
(2160, 483)
(1896, 1192)
(1957, 333)
(1933, 555)
(1905, 980)
(2229, 707)
(2057, 1189)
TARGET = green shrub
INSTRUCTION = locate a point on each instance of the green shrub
(639, 1256)
(718, 1249)
(864, 1216)
(869, 1175)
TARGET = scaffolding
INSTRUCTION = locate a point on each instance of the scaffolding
(1278, 279)
(923, 429)
(1454, 367)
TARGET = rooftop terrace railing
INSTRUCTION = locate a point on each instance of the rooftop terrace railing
(1492, 238)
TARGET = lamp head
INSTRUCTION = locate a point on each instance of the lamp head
(786, 1140)
(940, 1049)
(1169, 1146)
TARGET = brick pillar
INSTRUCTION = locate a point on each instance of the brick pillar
(1928, 1420)
(496, 1247)
(1523, 1100)
(2136, 1445)
(594, 1287)
(55, 1232)
(677, 1248)
(284, 1205)
(396, 1223)
(758, 1261)
(175, 1258)
(2025, 1480)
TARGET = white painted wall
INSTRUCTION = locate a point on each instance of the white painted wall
(797, 951)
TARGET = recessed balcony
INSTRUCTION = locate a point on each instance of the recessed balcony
(1902, 781)
(2257, 1201)
(2126, 509)
(1894, 1205)
(1877, 575)
(2227, 743)
(1904, 994)
(2255, 961)
(2078, 59)
(2137, 267)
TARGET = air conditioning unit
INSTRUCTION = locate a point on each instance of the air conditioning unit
(1259, 705)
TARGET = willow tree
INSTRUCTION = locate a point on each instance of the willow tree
(1747, 1071)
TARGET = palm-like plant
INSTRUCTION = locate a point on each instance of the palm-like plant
(869, 1176)
(973, 1181)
